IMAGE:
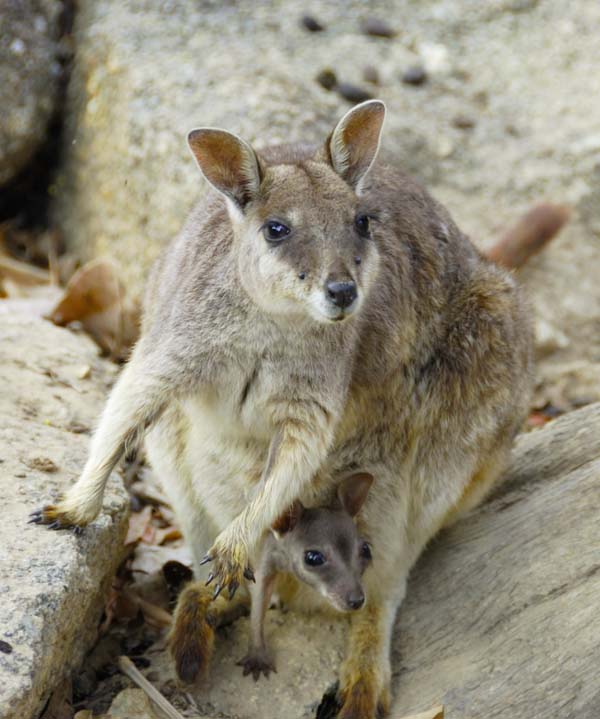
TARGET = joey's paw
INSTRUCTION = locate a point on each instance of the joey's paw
(229, 567)
(53, 518)
(257, 662)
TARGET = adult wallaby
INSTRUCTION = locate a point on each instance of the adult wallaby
(319, 314)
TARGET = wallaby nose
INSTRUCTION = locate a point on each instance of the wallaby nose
(341, 294)
(355, 601)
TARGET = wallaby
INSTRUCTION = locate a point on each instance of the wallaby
(318, 314)
(321, 547)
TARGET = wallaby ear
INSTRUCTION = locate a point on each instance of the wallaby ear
(352, 147)
(227, 162)
(288, 520)
(353, 491)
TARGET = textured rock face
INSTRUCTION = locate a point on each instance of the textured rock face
(53, 583)
(28, 78)
(509, 114)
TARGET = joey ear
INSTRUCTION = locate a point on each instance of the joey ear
(227, 162)
(353, 491)
(353, 145)
(288, 520)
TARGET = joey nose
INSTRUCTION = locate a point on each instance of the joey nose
(355, 601)
(341, 294)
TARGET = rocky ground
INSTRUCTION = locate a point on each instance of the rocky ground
(495, 106)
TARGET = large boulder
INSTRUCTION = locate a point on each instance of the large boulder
(29, 74)
(508, 115)
(54, 584)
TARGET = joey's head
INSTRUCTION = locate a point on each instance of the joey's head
(304, 235)
(323, 547)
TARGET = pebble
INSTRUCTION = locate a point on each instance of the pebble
(464, 122)
(415, 75)
(371, 74)
(327, 79)
(353, 93)
(311, 24)
(377, 27)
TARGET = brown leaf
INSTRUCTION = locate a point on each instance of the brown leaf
(96, 297)
(167, 534)
(140, 526)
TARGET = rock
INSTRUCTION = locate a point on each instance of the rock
(132, 704)
(327, 79)
(353, 93)
(53, 583)
(311, 24)
(377, 27)
(414, 75)
(29, 73)
(371, 74)
(509, 594)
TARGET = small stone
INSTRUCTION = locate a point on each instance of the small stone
(311, 24)
(327, 79)
(42, 464)
(353, 93)
(463, 122)
(415, 75)
(377, 27)
(371, 74)
(84, 372)
(5, 647)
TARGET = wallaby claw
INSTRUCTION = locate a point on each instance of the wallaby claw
(218, 590)
(206, 559)
(249, 575)
(51, 518)
(209, 579)
(233, 587)
(257, 664)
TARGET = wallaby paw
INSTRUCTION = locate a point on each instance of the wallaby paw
(257, 662)
(364, 699)
(54, 518)
(191, 639)
(229, 567)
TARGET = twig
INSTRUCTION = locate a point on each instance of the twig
(129, 668)
(23, 273)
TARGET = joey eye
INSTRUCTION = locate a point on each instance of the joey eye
(361, 222)
(314, 558)
(365, 551)
(275, 231)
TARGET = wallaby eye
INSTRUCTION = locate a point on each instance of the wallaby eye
(365, 551)
(314, 558)
(361, 222)
(275, 231)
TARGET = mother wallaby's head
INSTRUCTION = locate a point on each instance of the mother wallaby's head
(304, 234)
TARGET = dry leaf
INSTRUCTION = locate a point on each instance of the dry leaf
(140, 526)
(85, 714)
(96, 297)
(167, 534)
